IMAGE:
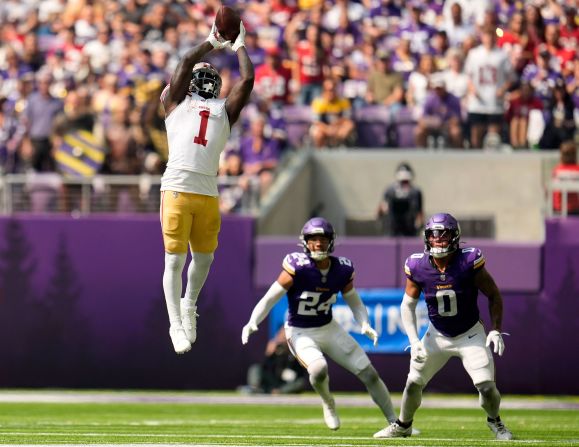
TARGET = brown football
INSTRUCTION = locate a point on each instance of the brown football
(227, 22)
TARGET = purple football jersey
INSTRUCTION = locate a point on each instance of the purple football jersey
(451, 296)
(312, 294)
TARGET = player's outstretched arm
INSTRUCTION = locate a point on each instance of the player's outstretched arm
(181, 78)
(241, 91)
(261, 310)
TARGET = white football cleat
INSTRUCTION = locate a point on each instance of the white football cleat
(179, 339)
(189, 319)
(330, 416)
(501, 432)
(394, 431)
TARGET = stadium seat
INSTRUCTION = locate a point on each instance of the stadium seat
(298, 119)
(372, 123)
(405, 125)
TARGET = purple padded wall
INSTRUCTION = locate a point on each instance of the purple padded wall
(381, 272)
(515, 267)
(380, 261)
(81, 304)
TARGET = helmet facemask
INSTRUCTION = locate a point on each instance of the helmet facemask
(445, 227)
(445, 235)
(205, 81)
(318, 227)
(318, 255)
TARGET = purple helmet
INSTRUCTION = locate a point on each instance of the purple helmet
(314, 227)
(438, 225)
(205, 81)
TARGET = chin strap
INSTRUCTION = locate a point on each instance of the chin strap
(440, 254)
(319, 255)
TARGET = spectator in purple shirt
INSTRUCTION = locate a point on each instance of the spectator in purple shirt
(13, 70)
(256, 53)
(541, 75)
(39, 115)
(260, 154)
(10, 136)
(420, 33)
(404, 61)
(441, 115)
(384, 16)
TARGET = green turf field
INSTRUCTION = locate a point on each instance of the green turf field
(203, 419)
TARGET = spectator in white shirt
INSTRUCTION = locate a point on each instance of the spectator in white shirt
(489, 74)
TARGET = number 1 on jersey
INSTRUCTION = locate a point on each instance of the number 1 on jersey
(200, 138)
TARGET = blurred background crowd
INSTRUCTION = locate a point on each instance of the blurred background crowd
(80, 80)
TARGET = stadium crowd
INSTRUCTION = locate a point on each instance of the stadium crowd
(80, 80)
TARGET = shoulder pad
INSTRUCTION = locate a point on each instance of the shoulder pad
(345, 261)
(411, 261)
(473, 256)
(295, 261)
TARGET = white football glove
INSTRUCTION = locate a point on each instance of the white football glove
(240, 41)
(496, 339)
(417, 352)
(247, 330)
(369, 332)
(216, 40)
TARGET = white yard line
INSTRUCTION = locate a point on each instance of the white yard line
(51, 396)
(344, 439)
(468, 441)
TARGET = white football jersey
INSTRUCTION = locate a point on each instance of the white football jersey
(488, 71)
(197, 131)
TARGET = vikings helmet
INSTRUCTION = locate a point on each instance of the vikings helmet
(314, 227)
(205, 81)
(438, 225)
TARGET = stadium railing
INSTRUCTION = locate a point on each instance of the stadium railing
(54, 193)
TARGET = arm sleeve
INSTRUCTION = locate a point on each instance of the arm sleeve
(408, 314)
(355, 303)
(265, 304)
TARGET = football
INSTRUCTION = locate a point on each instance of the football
(227, 23)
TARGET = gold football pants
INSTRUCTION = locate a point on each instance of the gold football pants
(189, 219)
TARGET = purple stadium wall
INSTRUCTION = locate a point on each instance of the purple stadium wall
(81, 305)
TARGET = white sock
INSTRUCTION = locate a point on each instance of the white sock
(319, 379)
(378, 391)
(489, 398)
(411, 400)
(381, 397)
(172, 285)
(196, 276)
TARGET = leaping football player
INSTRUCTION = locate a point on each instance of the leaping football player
(198, 125)
(312, 281)
(450, 278)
